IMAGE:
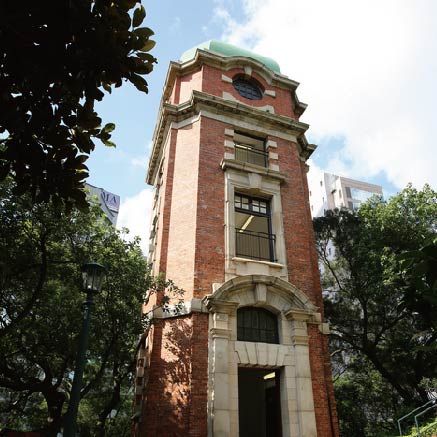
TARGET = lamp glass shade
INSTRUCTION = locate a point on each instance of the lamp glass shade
(93, 275)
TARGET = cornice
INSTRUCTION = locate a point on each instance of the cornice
(225, 63)
(202, 101)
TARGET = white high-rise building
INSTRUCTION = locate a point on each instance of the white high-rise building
(329, 191)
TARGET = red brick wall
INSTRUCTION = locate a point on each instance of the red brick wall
(296, 222)
(213, 84)
(176, 395)
(323, 391)
(160, 255)
(304, 274)
(184, 209)
(184, 86)
(191, 231)
(210, 244)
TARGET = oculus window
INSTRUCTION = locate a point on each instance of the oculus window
(248, 89)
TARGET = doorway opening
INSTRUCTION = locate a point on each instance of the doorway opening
(259, 402)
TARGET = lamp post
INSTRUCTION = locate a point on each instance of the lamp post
(93, 275)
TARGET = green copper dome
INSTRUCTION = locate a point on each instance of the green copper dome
(229, 50)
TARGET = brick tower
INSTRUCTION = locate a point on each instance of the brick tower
(231, 225)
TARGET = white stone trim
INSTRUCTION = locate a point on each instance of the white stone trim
(251, 127)
(291, 356)
(248, 70)
(226, 78)
(274, 167)
(229, 96)
(229, 155)
(273, 155)
(268, 263)
(229, 132)
(324, 328)
(246, 181)
(186, 122)
(190, 306)
(270, 93)
(229, 143)
(266, 108)
(261, 354)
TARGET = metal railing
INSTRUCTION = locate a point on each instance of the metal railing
(429, 431)
(432, 403)
(255, 245)
(247, 153)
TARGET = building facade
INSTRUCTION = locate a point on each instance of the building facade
(329, 191)
(231, 225)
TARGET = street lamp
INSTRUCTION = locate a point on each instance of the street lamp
(93, 275)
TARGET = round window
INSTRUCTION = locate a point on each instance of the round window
(248, 89)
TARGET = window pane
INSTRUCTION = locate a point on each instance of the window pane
(238, 201)
(257, 324)
(247, 89)
(361, 195)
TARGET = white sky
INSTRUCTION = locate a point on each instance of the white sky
(368, 71)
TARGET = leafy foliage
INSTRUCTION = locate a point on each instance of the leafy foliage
(365, 299)
(365, 401)
(56, 61)
(41, 251)
(420, 288)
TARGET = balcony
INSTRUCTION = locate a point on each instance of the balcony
(255, 245)
(247, 153)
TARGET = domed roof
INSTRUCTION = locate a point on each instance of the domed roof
(229, 50)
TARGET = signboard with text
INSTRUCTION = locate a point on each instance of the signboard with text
(111, 200)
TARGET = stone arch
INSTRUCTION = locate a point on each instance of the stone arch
(263, 290)
(226, 354)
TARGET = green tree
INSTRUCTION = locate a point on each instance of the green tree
(56, 60)
(41, 251)
(419, 284)
(364, 297)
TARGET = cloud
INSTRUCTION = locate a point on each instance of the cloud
(142, 161)
(135, 215)
(175, 25)
(367, 70)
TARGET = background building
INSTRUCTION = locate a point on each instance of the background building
(329, 191)
(108, 202)
(231, 225)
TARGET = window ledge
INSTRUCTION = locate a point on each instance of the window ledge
(256, 261)
(252, 168)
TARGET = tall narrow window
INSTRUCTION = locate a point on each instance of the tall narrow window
(250, 149)
(253, 234)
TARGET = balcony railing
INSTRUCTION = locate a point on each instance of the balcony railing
(246, 153)
(255, 245)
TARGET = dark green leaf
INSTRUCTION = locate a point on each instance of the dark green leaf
(148, 46)
(109, 127)
(143, 32)
(139, 82)
(139, 15)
